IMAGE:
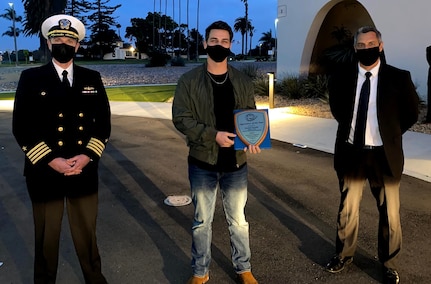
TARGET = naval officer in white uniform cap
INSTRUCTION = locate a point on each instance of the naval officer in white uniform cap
(61, 121)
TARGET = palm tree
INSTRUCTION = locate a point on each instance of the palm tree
(9, 15)
(267, 39)
(242, 25)
(247, 26)
(252, 31)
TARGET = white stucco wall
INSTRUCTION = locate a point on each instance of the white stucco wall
(405, 28)
(294, 21)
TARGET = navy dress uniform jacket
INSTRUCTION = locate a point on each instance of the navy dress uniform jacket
(397, 111)
(50, 121)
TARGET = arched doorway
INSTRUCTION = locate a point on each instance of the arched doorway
(332, 29)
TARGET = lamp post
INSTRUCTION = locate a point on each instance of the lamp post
(246, 25)
(118, 27)
(275, 41)
(154, 29)
(179, 28)
(14, 32)
(188, 33)
(160, 24)
(197, 34)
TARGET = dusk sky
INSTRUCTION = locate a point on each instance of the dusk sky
(261, 13)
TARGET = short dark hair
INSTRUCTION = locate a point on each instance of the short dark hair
(218, 25)
(366, 29)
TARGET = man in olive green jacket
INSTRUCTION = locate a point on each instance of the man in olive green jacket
(203, 110)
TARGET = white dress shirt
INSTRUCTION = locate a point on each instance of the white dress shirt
(60, 72)
(372, 132)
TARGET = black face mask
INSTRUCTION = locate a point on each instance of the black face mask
(63, 53)
(217, 52)
(368, 56)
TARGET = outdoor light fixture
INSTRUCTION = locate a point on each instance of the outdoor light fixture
(197, 34)
(14, 32)
(275, 40)
(271, 89)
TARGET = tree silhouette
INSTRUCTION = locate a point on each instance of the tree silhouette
(9, 15)
(142, 32)
(36, 11)
(102, 35)
(267, 40)
(247, 23)
(243, 27)
(196, 40)
(78, 9)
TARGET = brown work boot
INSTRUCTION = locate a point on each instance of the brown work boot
(198, 280)
(246, 278)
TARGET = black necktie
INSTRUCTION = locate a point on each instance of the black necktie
(361, 115)
(65, 81)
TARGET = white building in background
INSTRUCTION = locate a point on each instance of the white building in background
(304, 29)
(124, 51)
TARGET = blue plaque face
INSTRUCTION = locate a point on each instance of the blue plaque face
(251, 126)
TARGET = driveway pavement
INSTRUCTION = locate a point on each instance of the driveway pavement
(292, 207)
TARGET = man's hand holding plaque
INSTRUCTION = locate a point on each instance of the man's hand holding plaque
(225, 139)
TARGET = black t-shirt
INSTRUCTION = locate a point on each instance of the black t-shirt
(224, 105)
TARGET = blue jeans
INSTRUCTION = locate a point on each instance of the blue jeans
(233, 187)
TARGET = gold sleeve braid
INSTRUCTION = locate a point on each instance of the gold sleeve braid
(38, 152)
(96, 145)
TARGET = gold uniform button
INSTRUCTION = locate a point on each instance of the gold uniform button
(81, 114)
(60, 114)
(60, 129)
(79, 142)
(60, 143)
(81, 128)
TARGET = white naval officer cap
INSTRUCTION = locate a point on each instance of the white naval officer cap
(63, 25)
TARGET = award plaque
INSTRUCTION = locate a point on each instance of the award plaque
(251, 128)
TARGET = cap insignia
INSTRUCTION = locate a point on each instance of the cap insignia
(64, 24)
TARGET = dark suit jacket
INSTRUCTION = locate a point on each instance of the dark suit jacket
(51, 121)
(397, 111)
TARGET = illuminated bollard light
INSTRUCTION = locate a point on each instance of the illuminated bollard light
(271, 89)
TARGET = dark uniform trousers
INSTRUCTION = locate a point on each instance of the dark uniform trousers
(372, 165)
(82, 214)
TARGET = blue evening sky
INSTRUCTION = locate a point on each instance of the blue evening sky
(262, 14)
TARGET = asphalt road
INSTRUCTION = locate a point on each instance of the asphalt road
(292, 208)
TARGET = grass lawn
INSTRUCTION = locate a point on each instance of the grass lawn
(160, 93)
(141, 93)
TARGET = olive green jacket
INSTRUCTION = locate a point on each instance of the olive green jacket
(193, 111)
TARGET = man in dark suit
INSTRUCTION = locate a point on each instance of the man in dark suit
(374, 104)
(61, 121)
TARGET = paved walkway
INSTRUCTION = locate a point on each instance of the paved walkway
(315, 133)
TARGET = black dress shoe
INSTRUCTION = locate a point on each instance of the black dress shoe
(390, 276)
(337, 264)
